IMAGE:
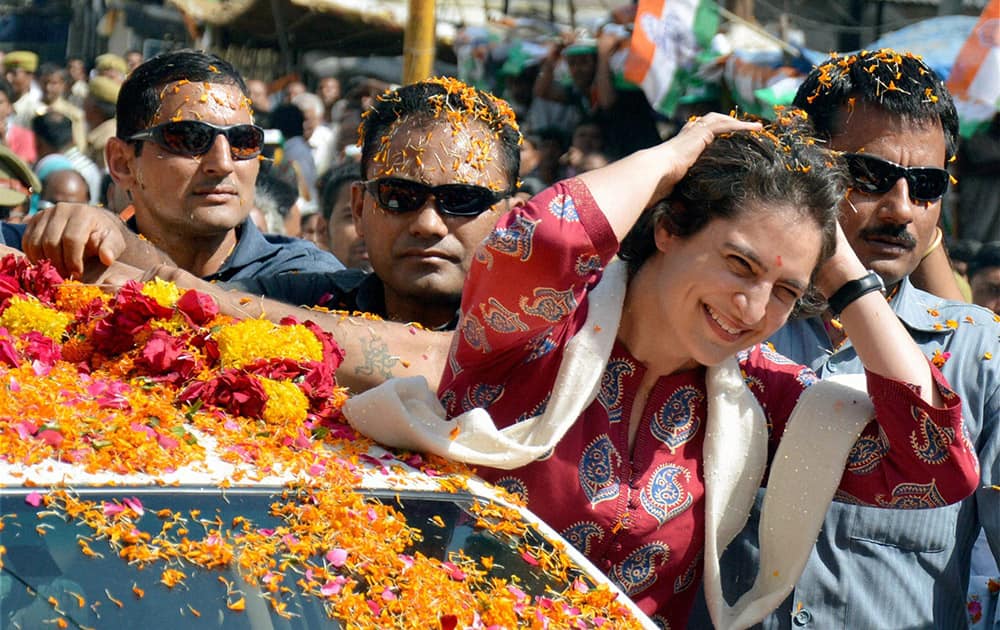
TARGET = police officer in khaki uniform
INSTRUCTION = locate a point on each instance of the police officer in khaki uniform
(19, 68)
(17, 183)
(99, 110)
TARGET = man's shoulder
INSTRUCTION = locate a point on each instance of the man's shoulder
(924, 311)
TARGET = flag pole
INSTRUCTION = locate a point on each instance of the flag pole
(418, 41)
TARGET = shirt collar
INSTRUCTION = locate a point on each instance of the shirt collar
(920, 310)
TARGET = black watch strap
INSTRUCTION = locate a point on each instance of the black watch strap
(853, 289)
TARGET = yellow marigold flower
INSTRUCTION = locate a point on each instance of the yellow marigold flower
(285, 402)
(71, 296)
(25, 314)
(254, 339)
(165, 293)
(951, 323)
(987, 356)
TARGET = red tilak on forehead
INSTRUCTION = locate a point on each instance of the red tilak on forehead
(777, 261)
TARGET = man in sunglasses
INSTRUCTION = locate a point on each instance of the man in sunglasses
(896, 123)
(439, 161)
(186, 151)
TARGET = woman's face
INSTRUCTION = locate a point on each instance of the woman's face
(731, 285)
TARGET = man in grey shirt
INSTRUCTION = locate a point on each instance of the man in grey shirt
(897, 126)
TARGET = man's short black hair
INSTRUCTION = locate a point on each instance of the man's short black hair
(54, 129)
(288, 119)
(962, 249)
(987, 257)
(898, 83)
(333, 181)
(447, 101)
(140, 96)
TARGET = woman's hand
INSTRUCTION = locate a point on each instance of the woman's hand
(841, 268)
(623, 189)
(682, 151)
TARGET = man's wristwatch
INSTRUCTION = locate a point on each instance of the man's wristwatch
(853, 289)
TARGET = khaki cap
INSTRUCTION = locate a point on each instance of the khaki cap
(21, 59)
(110, 61)
(17, 180)
(105, 89)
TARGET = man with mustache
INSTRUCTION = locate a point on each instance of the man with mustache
(186, 151)
(896, 124)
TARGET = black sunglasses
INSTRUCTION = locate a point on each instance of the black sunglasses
(195, 137)
(400, 196)
(877, 176)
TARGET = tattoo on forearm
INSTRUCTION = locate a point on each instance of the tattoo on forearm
(377, 358)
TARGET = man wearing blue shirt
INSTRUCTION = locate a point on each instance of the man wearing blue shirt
(875, 568)
(186, 152)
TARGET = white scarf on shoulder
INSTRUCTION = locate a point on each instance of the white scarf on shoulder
(805, 473)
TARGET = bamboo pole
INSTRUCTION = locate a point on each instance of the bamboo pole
(418, 41)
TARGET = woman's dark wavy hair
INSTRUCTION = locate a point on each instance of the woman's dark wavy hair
(846, 81)
(427, 100)
(748, 172)
(139, 98)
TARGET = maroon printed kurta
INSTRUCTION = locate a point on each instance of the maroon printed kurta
(638, 513)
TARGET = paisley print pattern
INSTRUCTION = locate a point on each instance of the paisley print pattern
(842, 496)
(563, 207)
(930, 442)
(484, 257)
(448, 401)
(582, 534)
(540, 345)
(665, 496)
(660, 622)
(482, 395)
(686, 579)
(769, 353)
(453, 364)
(537, 410)
(806, 377)
(637, 572)
(549, 304)
(500, 319)
(678, 421)
(513, 485)
(610, 394)
(598, 470)
(867, 453)
(913, 496)
(515, 240)
(474, 334)
(587, 265)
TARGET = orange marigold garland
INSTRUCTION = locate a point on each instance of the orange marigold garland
(151, 379)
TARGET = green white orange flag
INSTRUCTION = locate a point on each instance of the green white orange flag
(975, 78)
(666, 40)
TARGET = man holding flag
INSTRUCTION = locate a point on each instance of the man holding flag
(666, 39)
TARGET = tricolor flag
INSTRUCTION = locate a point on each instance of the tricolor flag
(975, 78)
(666, 39)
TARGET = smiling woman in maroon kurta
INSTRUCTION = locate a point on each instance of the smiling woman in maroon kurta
(626, 485)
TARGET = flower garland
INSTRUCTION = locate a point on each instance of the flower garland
(154, 378)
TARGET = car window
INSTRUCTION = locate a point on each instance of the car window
(54, 567)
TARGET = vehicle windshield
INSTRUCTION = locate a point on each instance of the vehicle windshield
(55, 568)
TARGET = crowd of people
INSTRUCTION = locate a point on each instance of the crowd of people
(645, 308)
